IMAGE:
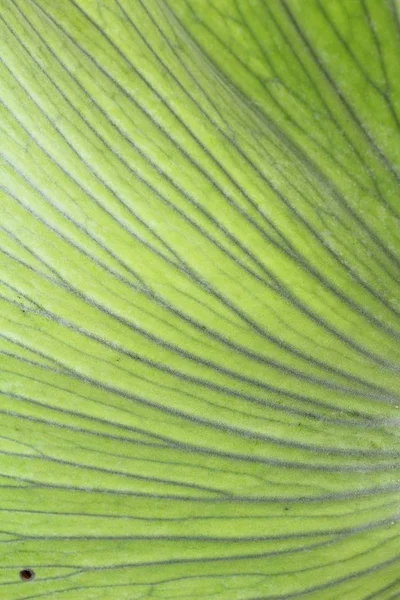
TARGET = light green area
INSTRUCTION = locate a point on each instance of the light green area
(199, 299)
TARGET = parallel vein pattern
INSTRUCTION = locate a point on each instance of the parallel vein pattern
(199, 299)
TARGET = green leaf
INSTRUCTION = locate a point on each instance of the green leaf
(199, 299)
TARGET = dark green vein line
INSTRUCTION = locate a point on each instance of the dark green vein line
(379, 594)
(238, 499)
(333, 583)
(235, 540)
(119, 473)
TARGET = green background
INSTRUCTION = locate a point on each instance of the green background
(199, 299)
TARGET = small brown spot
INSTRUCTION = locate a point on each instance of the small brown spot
(26, 574)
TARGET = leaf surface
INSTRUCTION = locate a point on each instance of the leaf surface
(199, 299)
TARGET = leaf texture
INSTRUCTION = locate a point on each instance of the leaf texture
(199, 299)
